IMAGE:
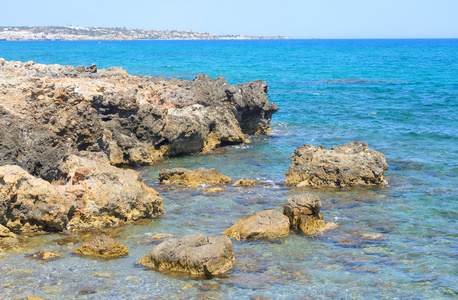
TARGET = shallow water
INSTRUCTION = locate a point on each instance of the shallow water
(399, 241)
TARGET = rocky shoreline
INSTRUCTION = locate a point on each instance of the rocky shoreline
(70, 134)
(66, 130)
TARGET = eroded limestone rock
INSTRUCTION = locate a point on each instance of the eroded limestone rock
(188, 178)
(303, 212)
(193, 254)
(345, 165)
(102, 246)
(267, 224)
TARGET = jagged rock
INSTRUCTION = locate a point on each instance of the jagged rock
(28, 203)
(193, 254)
(50, 111)
(248, 182)
(102, 246)
(103, 195)
(92, 69)
(80, 68)
(267, 224)
(188, 178)
(45, 255)
(345, 165)
(89, 193)
(303, 212)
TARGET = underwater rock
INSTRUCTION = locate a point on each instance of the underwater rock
(248, 182)
(187, 178)
(213, 190)
(349, 164)
(194, 254)
(267, 224)
(303, 212)
(45, 255)
(102, 246)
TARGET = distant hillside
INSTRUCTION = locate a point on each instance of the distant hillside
(25, 33)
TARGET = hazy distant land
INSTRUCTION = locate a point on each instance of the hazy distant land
(70, 33)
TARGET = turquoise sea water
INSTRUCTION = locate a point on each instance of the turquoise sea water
(399, 241)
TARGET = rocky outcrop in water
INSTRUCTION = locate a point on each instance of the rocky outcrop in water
(303, 212)
(345, 165)
(102, 246)
(193, 254)
(188, 178)
(49, 111)
(88, 193)
(52, 116)
(266, 224)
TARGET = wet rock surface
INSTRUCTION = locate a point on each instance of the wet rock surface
(194, 254)
(45, 255)
(349, 164)
(188, 178)
(303, 212)
(102, 246)
(266, 224)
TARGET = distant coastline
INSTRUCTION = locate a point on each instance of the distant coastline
(75, 33)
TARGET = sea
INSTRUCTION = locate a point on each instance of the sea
(394, 242)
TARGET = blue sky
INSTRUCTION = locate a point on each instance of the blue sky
(295, 18)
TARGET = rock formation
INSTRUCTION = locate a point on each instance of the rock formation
(52, 115)
(102, 246)
(303, 212)
(187, 178)
(266, 224)
(345, 165)
(88, 193)
(45, 255)
(193, 254)
(49, 111)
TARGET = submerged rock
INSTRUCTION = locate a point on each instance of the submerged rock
(188, 178)
(45, 255)
(193, 254)
(102, 246)
(248, 182)
(267, 224)
(345, 165)
(303, 212)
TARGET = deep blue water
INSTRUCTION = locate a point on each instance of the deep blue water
(399, 96)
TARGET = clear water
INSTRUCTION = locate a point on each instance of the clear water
(399, 96)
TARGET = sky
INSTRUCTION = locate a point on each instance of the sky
(293, 18)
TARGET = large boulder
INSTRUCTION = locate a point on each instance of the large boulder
(188, 178)
(345, 165)
(266, 224)
(193, 254)
(88, 193)
(103, 195)
(303, 212)
(102, 246)
(28, 203)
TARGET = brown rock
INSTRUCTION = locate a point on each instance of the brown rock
(45, 255)
(102, 246)
(345, 165)
(103, 195)
(268, 224)
(193, 254)
(28, 203)
(303, 212)
(188, 178)
(248, 182)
